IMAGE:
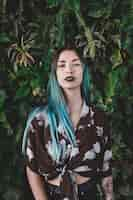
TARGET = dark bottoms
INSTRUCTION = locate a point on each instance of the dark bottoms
(86, 191)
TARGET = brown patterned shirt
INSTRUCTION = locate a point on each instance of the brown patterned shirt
(91, 157)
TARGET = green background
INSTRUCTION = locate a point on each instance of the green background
(29, 33)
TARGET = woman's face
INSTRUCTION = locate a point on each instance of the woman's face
(69, 70)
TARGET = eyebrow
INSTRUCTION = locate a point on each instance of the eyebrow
(74, 60)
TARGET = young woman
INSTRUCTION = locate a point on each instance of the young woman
(67, 143)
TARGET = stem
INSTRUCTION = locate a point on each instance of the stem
(88, 35)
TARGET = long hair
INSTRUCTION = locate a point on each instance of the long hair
(57, 108)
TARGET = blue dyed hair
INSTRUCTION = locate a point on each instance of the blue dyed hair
(57, 108)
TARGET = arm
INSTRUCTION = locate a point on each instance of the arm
(36, 184)
(31, 142)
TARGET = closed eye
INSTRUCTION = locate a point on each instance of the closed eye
(61, 66)
(76, 64)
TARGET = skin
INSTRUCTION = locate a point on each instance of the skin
(68, 64)
(36, 184)
(107, 184)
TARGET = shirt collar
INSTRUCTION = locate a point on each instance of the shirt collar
(84, 110)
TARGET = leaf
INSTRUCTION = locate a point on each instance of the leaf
(2, 97)
(110, 85)
(3, 117)
(97, 9)
(116, 58)
(88, 35)
(92, 48)
(53, 3)
(35, 83)
(13, 193)
(117, 40)
(75, 4)
(100, 37)
(4, 38)
(23, 91)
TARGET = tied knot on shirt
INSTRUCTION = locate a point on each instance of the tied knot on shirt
(68, 183)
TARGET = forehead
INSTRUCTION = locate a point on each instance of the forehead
(68, 55)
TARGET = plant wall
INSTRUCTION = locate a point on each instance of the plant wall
(29, 33)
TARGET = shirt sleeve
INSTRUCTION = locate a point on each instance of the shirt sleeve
(30, 147)
(107, 148)
(33, 140)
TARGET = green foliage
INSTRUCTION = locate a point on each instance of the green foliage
(4, 38)
(30, 31)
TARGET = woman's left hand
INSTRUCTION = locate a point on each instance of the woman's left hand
(107, 184)
(109, 198)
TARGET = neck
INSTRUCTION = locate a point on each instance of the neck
(74, 99)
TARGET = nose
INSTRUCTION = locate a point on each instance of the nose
(69, 68)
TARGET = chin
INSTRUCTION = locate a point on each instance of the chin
(74, 87)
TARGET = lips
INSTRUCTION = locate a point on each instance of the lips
(69, 78)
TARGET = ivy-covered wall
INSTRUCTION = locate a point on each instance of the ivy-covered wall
(29, 33)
